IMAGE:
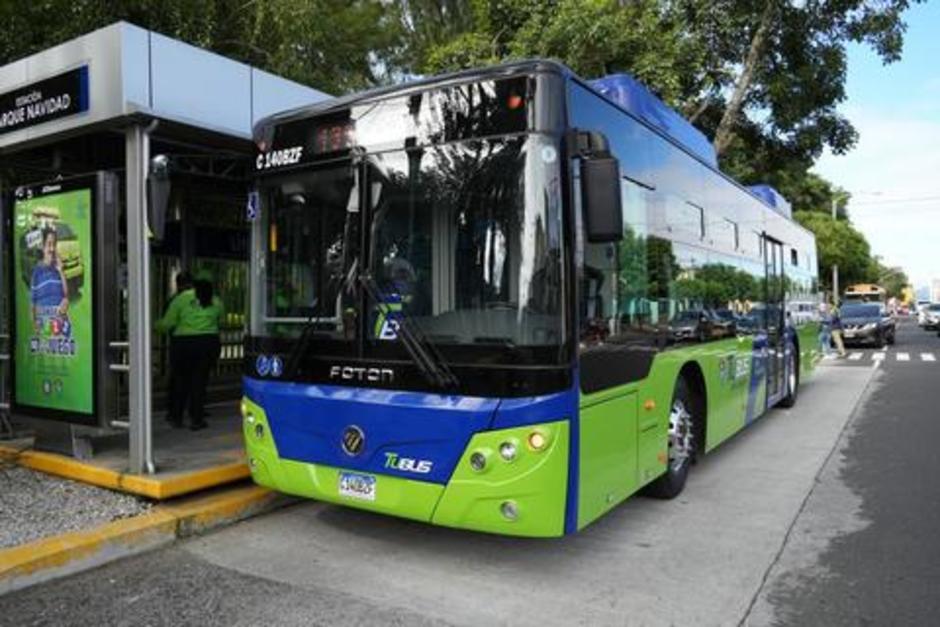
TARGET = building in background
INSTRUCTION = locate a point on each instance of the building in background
(935, 290)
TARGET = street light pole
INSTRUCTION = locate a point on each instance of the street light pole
(835, 267)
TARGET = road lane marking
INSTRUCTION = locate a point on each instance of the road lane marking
(904, 357)
(855, 356)
(927, 357)
(877, 356)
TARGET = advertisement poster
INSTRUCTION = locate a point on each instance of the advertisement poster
(52, 258)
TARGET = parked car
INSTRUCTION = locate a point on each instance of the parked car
(867, 323)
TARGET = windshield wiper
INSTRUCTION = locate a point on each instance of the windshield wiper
(307, 331)
(423, 353)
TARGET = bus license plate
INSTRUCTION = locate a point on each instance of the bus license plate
(357, 486)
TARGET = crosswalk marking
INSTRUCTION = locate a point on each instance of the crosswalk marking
(882, 357)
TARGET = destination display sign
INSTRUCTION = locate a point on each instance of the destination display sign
(49, 99)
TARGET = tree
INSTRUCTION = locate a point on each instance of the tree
(892, 278)
(838, 242)
(333, 45)
(785, 61)
(595, 38)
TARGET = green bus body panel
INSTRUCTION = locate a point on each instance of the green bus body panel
(608, 455)
(536, 481)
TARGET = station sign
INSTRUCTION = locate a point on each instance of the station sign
(50, 99)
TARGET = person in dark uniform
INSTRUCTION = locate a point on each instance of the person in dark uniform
(192, 320)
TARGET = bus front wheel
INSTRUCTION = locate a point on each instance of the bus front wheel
(682, 421)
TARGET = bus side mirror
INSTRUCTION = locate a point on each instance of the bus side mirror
(600, 188)
(600, 194)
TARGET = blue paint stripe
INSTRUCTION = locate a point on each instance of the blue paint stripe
(758, 375)
(574, 456)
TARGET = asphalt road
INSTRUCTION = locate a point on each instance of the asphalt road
(866, 549)
(732, 549)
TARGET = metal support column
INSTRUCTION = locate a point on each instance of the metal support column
(137, 156)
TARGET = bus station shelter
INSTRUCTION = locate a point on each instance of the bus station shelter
(133, 148)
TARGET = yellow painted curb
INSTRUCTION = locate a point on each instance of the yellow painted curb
(72, 552)
(151, 487)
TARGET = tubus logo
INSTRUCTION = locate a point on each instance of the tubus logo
(354, 440)
(407, 464)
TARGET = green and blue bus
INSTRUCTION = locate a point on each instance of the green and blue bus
(507, 299)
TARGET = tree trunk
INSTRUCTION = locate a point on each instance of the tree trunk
(725, 132)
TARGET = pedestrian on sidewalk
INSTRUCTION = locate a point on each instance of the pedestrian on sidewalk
(193, 320)
(835, 324)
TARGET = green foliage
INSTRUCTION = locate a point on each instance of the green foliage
(333, 45)
(838, 242)
(593, 37)
(892, 278)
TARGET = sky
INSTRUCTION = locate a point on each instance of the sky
(893, 173)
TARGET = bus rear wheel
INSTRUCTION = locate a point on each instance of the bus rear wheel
(682, 421)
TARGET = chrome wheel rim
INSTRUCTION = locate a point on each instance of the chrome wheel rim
(791, 378)
(680, 435)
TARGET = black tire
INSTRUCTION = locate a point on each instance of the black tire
(670, 484)
(792, 382)
(891, 338)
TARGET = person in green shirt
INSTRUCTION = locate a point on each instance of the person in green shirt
(192, 320)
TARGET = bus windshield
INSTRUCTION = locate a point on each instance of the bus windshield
(463, 240)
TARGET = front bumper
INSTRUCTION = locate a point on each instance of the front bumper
(862, 335)
(534, 482)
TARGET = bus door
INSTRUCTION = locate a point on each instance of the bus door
(776, 332)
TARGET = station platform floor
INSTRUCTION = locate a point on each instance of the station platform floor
(186, 461)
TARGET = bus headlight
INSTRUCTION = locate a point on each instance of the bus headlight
(537, 441)
(259, 430)
(507, 450)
